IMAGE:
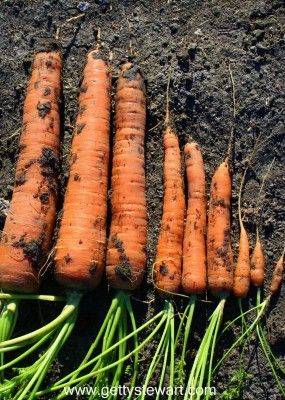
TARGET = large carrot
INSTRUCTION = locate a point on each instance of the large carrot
(80, 248)
(27, 233)
(168, 261)
(126, 254)
(194, 246)
(219, 250)
(126, 249)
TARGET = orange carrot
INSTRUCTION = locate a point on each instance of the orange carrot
(257, 264)
(242, 269)
(168, 262)
(277, 274)
(126, 254)
(81, 244)
(194, 245)
(27, 234)
(219, 251)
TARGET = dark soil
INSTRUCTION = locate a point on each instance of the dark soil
(200, 39)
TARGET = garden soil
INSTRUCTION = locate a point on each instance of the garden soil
(209, 48)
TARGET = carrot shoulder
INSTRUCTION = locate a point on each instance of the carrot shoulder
(81, 244)
(168, 261)
(28, 229)
(194, 245)
(126, 253)
(219, 250)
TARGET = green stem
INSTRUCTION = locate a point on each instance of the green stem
(93, 373)
(41, 297)
(136, 343)
(247, 332)
(73, 302)
(8, 319)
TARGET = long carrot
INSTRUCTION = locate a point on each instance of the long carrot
(126, 254)
(80, 248)
(27, 233)
(126, 249)
(168, 261)
(194, 246)
(219, 251)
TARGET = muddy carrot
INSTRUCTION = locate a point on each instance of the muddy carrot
(126, 253)
(168, 261)
(27, 233)
(194, 245)
(219, 251)
(81, 244)
(277, 274)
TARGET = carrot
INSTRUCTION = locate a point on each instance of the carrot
(257, 264)
(219, 251)
(126, 253)
(27, 233)
(168, 261)
(242, 268)
(80, 248)
(194, 246)
(277, 274)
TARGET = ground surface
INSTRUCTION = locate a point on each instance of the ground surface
(200, 39)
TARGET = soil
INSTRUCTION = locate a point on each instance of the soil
(203, 41)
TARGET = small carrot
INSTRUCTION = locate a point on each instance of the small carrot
(257, 263)
(194, 245)
(219, 250)
(80, 248)
(277, 274)
(242, 268)
(27, 233)
(168, 261)
(126, 253)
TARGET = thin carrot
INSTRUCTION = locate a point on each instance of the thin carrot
(126, 254)
(27, 233)
(80, 248)
(219, 251)
(168, 261)
(277, 274)
(194, 245)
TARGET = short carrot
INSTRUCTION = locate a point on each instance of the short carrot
(168, 261)
(219, 251)
(277, 274)
(80, 248)
(126, 253)
(257, 264)
(242, 268)
(194, 245)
